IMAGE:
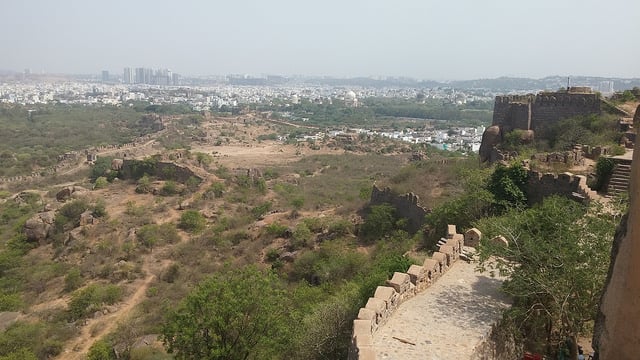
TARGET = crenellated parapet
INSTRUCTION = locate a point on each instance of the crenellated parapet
(537, 113)
(400, 288)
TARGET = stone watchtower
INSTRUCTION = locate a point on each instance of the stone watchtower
(536, 114)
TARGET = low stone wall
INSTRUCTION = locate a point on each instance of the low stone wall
(401, 287)
(566, 184)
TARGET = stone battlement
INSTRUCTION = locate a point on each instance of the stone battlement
(566, 184)
(401, 287)
(535, 112)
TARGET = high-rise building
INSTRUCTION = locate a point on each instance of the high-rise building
(105, 76)
(139, 76)
(128, 76)
(148, 76)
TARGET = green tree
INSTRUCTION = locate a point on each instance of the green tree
(240, 314)
(555, 264)
(379, 222)
(101, 167)
(508, 186)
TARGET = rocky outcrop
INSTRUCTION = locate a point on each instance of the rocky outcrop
(39, 227)
(116, 164)
(71, 192)
(491, 137)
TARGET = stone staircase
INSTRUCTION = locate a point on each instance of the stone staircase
(619, 181)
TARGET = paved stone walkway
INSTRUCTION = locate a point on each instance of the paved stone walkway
(446, 321)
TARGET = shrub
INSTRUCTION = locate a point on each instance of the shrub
(604, 169)
(10, 302)
(101, 350)
(192, 221)
(169, 188)
(261, 210)
(101, 182)
(301, 236)
(69, 215)
(99, 209)
(151, 234)
(380, 221)
(73, 280)
(144, 185)
(85, 301)
(171, 274)
(276, 229)
(272, 255)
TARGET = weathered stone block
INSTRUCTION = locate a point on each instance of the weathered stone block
(368, 314)
(379, 306)
(400, 282)
(472, 237)
(361, 328)
(442, 261)
(389, 295)
(450, 254)
(500, 240)
(418, 276)
(431, 269)
(451, 230)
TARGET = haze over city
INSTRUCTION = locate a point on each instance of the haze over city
(421, 39)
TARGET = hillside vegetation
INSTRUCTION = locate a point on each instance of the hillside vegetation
(32, 138)
(267, 251)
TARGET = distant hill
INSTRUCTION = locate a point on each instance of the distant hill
(501, 84)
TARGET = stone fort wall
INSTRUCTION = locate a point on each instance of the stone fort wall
(572, 186)
(401, 287)
(539, 186)
(407, 206)
(537, 112)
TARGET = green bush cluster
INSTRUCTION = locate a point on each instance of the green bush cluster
(92, 298)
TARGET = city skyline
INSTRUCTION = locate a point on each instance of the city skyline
(422, 40)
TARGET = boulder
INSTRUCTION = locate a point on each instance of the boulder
(87, 218)
(116, 164)
(491, 137)
(71, 192)
(39, 227)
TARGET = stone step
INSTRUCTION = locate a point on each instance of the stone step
(620, 177)
(619, 180)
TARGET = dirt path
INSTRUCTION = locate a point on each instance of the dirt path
(96, 328)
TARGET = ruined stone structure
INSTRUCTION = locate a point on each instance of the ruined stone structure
(566, 184)
(617, 331)
(407, 206)
(539, 186)
(571, 158)
(536, 113)
(162, 170)
(401, 287)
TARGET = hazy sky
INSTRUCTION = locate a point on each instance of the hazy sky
(426, 39)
